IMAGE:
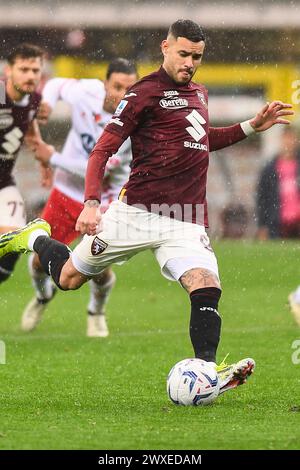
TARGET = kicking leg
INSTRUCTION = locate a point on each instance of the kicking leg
(54, 256)
(55, 259)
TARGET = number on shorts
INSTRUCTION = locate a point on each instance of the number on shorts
(14, 205)
(205, 242)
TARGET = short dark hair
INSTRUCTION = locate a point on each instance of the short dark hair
(121, 65)
(187, 29)
(25, 51)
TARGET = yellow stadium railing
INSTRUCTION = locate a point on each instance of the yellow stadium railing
(277, 80)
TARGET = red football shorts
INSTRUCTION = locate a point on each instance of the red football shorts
(62, 212)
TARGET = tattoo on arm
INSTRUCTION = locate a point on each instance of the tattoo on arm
(92, 203)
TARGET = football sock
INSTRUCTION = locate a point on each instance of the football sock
(41, 282)
(34, 235)
(99, 294)
(53, 255)
(7, 264)
(205, 323)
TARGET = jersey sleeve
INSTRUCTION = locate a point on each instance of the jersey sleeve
(108, 144)
(131, 111)
(121, 158)
(221, 137)
(130, 114)
(71, 165)
(65, 89)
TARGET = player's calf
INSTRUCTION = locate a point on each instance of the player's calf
(54, 257)
(205, 322)
(204, 289)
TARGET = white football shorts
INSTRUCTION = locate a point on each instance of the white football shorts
(127, 230)
(12, 209)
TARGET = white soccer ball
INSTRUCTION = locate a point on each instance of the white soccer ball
(193, 382)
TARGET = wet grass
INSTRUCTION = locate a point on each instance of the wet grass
(61, 390)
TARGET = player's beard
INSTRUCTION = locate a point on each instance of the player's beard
(190, 75)
(23, 91)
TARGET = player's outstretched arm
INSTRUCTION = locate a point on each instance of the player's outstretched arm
(271, 114)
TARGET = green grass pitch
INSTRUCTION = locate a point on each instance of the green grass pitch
(61, 390)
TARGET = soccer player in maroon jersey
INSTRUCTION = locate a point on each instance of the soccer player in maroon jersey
(163, 205)
(18, 107)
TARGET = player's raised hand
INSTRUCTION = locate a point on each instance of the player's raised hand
(43, 113)
(89, 221)
(270, 114)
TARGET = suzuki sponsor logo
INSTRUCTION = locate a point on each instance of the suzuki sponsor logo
(174, 103)
(195, 145)
(196, 130)
(7, 156)
(12, 140)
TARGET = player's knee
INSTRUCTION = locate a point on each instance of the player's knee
(199, 278)
(7, 265)
(68, 284)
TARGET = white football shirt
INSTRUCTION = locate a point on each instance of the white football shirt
(86, 98)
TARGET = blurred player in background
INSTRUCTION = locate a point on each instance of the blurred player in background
(278, 191)
(17, 122)
(93, 103)
(163, 205)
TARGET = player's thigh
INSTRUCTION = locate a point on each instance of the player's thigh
(94, 254)
(12, 208)
(61, 212)
(119, 241)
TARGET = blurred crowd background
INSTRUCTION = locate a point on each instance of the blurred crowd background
(252, 56)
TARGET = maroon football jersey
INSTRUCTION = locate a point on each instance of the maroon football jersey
(14, 121)
(169, 129)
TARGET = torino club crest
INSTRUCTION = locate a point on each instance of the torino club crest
(98, 246)
(202, 98)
